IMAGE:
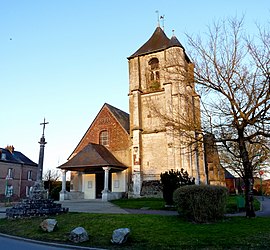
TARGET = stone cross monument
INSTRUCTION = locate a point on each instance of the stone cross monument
(42, 143)
(38, 203)
(38, 191)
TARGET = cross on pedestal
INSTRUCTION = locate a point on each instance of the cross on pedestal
(42, 143)
(44, 124)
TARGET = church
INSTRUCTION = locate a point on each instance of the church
(123, 154)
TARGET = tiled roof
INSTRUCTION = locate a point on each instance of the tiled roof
(15, 157)
(93, 156)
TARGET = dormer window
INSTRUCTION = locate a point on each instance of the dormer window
(3, 156)
(154, 77)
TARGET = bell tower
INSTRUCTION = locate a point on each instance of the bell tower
(161, 90)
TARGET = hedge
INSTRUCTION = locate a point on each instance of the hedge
(201, 203)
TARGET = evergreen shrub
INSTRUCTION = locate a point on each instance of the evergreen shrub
(171, 180)
(201, 203)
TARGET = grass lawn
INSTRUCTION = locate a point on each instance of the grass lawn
(159, 204)
(149, 231)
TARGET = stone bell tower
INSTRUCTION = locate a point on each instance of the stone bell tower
(161, 92)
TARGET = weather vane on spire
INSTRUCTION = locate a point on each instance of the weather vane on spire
(162, 18)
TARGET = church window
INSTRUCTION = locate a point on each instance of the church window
(154, 77)
(154, 64)
(157, 75)
(104, 138)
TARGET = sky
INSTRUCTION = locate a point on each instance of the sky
(63, 59)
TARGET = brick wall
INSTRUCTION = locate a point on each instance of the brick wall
(119, 141)
(19, 179)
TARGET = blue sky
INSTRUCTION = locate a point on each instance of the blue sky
(63, 59)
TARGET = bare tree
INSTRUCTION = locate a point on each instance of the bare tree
(50, 176)
(232, 71)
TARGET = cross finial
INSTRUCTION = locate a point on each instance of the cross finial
(158, 18)
(44, 123)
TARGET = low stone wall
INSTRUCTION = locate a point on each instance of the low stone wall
(152, 189)
(33, 207)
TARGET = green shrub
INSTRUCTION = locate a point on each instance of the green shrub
(202, 203)
(171, 181)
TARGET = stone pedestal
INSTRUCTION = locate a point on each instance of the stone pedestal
(106, 195)
(38, 204)
(38, 192)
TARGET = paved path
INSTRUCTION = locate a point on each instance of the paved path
(92, 206)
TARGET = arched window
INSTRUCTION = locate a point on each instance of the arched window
(104, 138)
(154, 64)
(154, 76)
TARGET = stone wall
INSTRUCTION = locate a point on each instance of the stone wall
(151, 189)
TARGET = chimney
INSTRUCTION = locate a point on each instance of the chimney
(10, 148)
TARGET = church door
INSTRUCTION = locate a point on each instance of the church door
(100, 184)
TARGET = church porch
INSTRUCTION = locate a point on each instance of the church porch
(95, 174)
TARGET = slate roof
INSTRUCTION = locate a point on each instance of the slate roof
(16, 157)
(157, 42)
(93, 157)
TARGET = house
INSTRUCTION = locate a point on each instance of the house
(17, 174)
(123, 153)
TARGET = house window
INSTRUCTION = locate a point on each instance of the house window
(29, 175)
(27, 191)
(10, 173)
(104, 138)
(9, 191)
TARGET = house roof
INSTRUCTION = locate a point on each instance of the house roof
(15, 157)
(157, 42)
(92, 158)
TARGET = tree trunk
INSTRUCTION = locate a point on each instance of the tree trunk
(248, 176)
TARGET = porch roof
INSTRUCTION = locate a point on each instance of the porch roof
(92, 158)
